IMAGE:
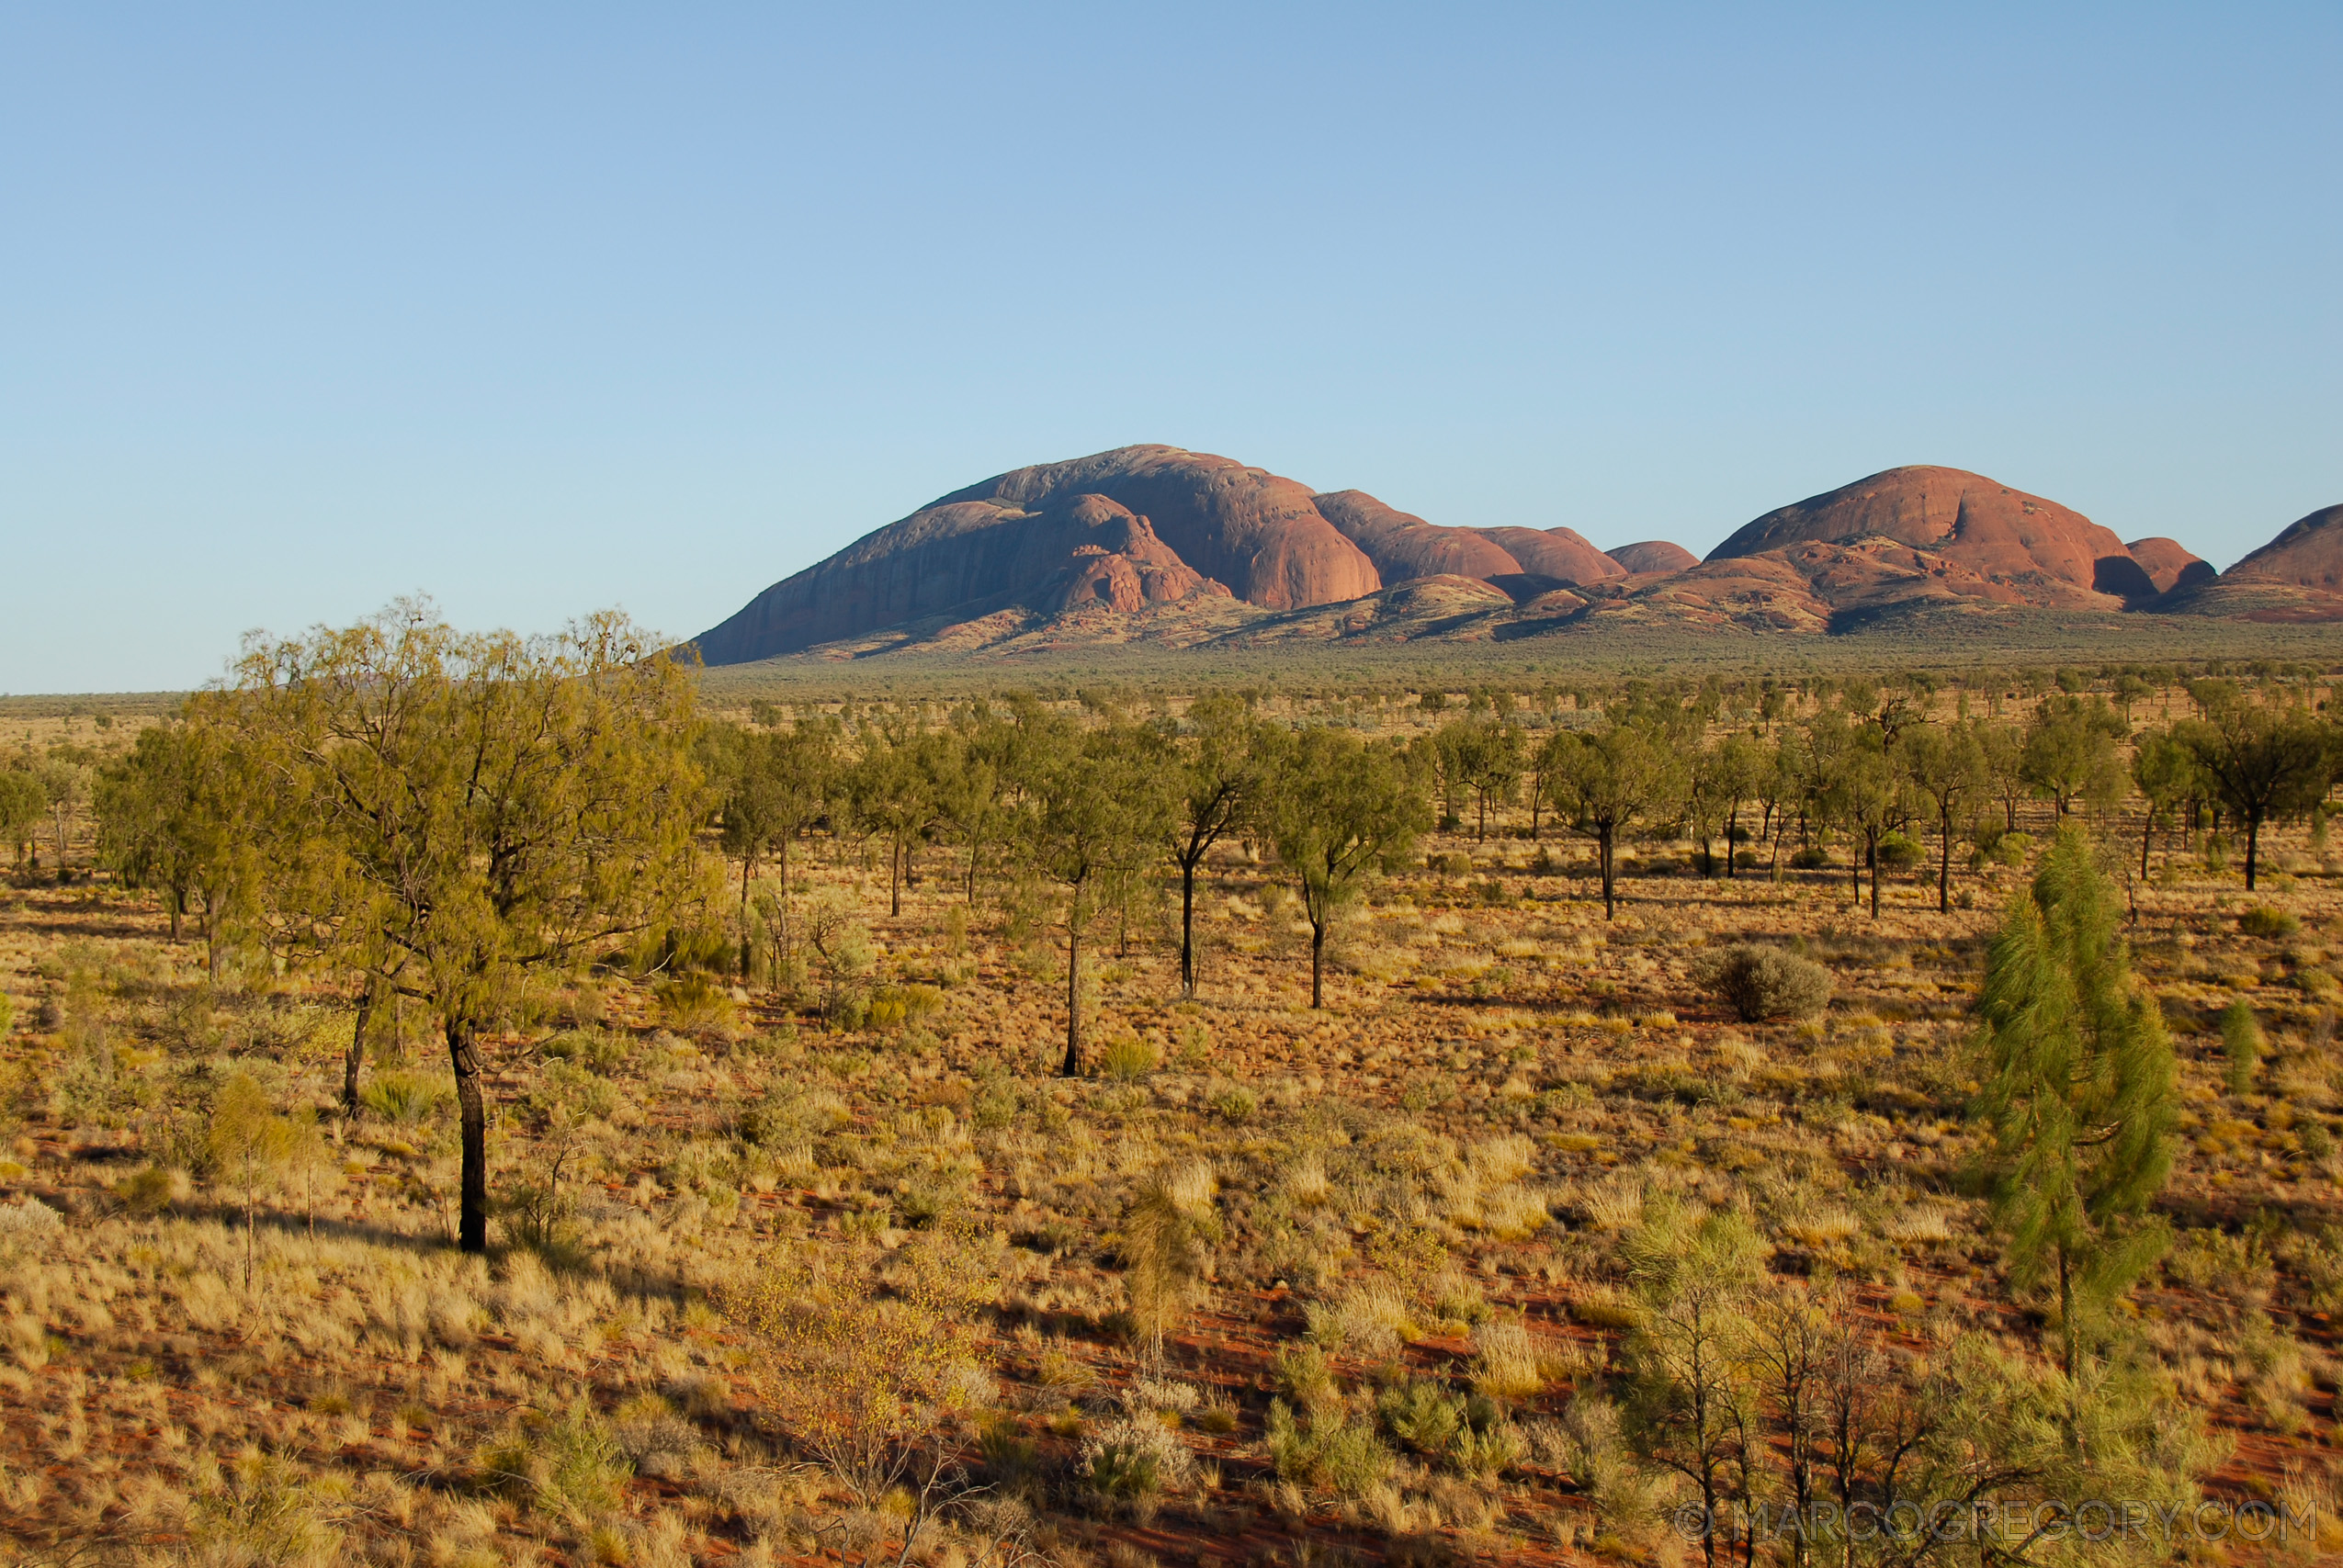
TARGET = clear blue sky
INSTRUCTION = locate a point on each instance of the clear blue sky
(545, 309)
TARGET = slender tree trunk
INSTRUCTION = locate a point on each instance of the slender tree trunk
(2147, 830)
(357, 1056)
(2253, 846)
(1073, 1064)
(176, 900)
(1188, 925)
(895, 877)
(1871, 855)
(1603, 843)
(1732, 831)
(463, 1056)
(1944, 862)
(781, 909)
(1318, 965)
(1481, 834)
(748, 945)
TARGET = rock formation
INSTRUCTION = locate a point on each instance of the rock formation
(1164, 548)
(2169, 565)
(1653, 555)
(1177, 518)
(1562, 554)
(1404, 546)
(2307, 553)
(2050, 555)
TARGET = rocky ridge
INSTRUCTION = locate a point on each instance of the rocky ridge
(1160, 546)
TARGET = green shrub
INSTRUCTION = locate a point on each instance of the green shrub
(2317, 1141)
(898, 1007)
(1127, 1059)
(2267, 920)
(602, 1050)
(404, 1097)
(1340, 1452)
(265, 1512)
(1898, 851)
(2241, 1037)
(1490, 1449)
(1129, 1464)
(2010, 848)
(1306, 1374)
(1234, 1103)
(1758, 982)
(570, 1465)
(1423, 1415)
(1351, 1456)
(693, 1002)
(1808, 857)
(151, 1191)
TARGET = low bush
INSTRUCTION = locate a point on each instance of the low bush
(1131, 1463)
(896, 1007)
(693, 1002)
(1423, 1415)
(2241, 1038)
(569, 1465)
(2267, 920)
(1898, 851)
(1759, 982)
(1128, 1059)
(405, 1096)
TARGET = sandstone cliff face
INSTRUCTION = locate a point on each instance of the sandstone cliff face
(1653, 555)
(2050, 555)
(1178, 521)
(2169, 565)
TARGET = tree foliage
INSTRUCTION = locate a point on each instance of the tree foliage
(2078, 1097)
(1340, 810)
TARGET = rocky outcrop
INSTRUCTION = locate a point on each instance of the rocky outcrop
(1181, 522)
(2049, 555)
(1562, 554)
(1404, 546)
(2169, 565)
(1653, 555)
(1124, 568)
(2297, 576)
(1261, 535)
(2307, 553)
(1157, 547)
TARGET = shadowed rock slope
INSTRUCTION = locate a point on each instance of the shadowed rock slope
(2297, 576)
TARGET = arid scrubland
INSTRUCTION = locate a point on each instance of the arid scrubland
(1544, 1227)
